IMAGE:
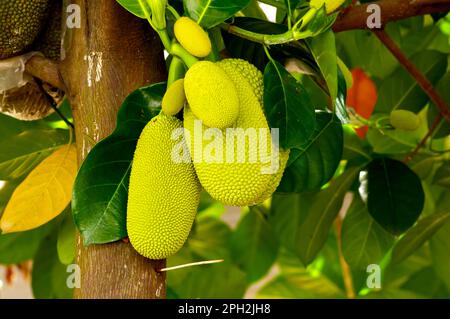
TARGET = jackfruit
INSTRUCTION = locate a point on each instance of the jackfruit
(49, 41)
(174, 99)
(237, 172)
(20, 23)
(404, 120)
(163, 194)
(212, 95)
(192, 37)
(330, 5)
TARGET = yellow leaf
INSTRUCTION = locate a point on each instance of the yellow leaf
(44, 194)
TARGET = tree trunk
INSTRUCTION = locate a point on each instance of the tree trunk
(112, 54)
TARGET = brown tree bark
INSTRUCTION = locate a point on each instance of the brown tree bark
(112, 54)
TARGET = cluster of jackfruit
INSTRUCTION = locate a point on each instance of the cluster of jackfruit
(164, 191)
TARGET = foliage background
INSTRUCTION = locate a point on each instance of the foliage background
(317, 232)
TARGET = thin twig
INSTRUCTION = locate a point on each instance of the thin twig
(52, 103)
(423, 142)
(207, 262)
(346, 273)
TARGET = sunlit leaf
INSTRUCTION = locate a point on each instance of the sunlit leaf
(44, 194)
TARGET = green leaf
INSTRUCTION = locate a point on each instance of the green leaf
(48, 274)
(66, 239)
(24, 151)
(299, 285)
(394, 194)
(442, 176)
(101, 189)
(354, 147)
(323, 48)
(302, 221)
(132, 6)
(439, 245)
(209, 13)
(401, 91)
(222, 280)
(19, 247)
(442, 88)
(341, 98)
(313, 165)
(326, 206)
(354, 46)
(287, 106)
(364, 242)
(254, 247)
(209, 237)
(418, 235)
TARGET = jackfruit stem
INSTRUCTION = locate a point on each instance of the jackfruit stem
(176, 70)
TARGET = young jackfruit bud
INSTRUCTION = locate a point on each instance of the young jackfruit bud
(330, 5)
(158, 8)
(192, 37)
(211, 95)
(174, 99)
(404, 120)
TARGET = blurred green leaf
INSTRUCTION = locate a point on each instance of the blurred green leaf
(364, 242)
(439, 245)
(442, 88)
(19, 247)
(313, 165)
(222, 280)
(48, 274)
(401, 91)
(394, 194)
(101, 188)
(442, 176)
(302, 221)
(22, 152)
(418, 235)
(66, 244)
(254, 247)
(299, 285)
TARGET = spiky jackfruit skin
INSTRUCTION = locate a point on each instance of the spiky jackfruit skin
(174, 99)
(192, 37)
(20, 23)
(49, 42)
(163, 195)
(251, 74)
(232, 182)
(212, 95)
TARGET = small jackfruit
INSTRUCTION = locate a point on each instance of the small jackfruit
(163, 193)
(192, 37)
(212, 95)
(174, 99)
(330, 5)
(404, 120)
(238, 173)
(20, 23)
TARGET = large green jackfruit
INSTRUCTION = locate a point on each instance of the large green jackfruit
(163, 193)
(20, 23)
(237, 179)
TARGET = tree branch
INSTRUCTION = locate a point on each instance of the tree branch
(391, 10)
(45, 70)
(426, 86)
